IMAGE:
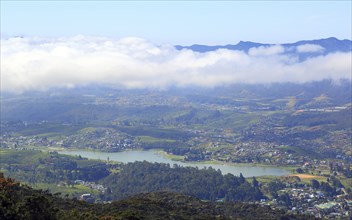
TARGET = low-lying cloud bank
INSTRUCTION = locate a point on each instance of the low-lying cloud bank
(40, 64)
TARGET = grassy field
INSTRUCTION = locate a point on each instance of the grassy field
(299, 151)
(49, 130)
(71, 191)
(20, 157)
(171, 156)
(306, 178)
(347, 182)
(149, 139)
(265, 179)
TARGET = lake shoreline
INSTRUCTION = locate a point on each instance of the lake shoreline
(217, 162)
(172, 157)
(176, 158)
(157, 155)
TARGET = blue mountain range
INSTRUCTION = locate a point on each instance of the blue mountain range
(327, 45)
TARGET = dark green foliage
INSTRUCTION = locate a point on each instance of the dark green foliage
(274, 186)
(23, 203)
(164, 205)
(315, 184)
(207, 184)
(299, 170)
(255, 182)
(336, 183)
(285, 198)
(330, 191)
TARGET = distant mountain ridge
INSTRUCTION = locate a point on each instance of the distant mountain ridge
(331, 44)
(328, 45)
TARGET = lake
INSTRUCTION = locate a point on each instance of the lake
(155, 156)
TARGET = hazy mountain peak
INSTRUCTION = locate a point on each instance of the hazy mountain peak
(331, 44)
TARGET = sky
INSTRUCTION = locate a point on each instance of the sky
(181, 22)
(67, 44)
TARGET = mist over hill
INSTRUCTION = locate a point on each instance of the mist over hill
(41, 64)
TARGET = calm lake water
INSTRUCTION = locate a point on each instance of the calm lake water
(154, 156)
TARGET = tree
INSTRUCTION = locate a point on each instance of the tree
(242, 179)
(315, 184)
(299, 170)
(255, 183)
(285, 198)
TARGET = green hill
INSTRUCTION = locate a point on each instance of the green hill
(23, 202)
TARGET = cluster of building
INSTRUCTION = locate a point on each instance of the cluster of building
(102, 139)
(99, 139)
(326, 109)
(91, 185)
(306, 200)
(13, 142)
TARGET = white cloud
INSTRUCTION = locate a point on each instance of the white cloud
(40, 64)
(266, 51)
(310, 48)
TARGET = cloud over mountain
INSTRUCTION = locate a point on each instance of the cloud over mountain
(310, 48)
(266, 51)
(40, 64)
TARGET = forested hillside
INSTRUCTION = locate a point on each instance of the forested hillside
(206, 184)
(22, 202)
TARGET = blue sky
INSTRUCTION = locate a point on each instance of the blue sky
(180, 22)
